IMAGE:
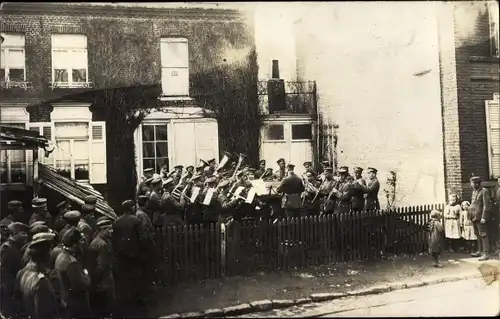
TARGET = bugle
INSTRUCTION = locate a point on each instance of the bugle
(241, 158)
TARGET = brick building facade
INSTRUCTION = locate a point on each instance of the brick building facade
(470, 86)
(51, 50)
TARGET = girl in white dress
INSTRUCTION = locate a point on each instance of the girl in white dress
(451, 216)
(467, 228)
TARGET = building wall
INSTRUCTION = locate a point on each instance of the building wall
(365, 66)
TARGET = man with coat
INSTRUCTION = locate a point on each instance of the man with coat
(291, 187)
(40, 213)
(480, 215)
(327, 201)
(147, 174)
(59, 221)
(154, 202)
(371, 190)
(342, 192)
(281, 173)
(73, 277)
(35, 286)
(15, 213)
(358, 190)
(172, 209)
(149, 259)
(100, 267)
(261, 170)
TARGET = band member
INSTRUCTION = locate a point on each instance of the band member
(211, 212)
(147, 174)
(281, 173)
(324, 165)
(190, 171)
(268, 175)
(173, 209)
(358, 190)
(342, 191)
(291, 187)
(40, 212)
(310, 195)
(308, 168)
(212, 164)
(371, 190)
(178, 174)
(154, 202)
(261, 170)
(327, 202)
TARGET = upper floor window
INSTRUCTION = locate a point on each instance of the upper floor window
(494, 28)
(69, 60)
(175, 66)
(12, 60)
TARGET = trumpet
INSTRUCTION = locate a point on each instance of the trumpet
(241, 158)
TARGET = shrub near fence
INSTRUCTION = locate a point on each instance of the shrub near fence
(196, 252)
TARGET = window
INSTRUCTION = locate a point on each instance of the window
(301, 132)
(72, 150)
(12, 60)
(154, 146)
(493, 127)
(69, 60)
(13, 164)
(494, 28)
(275, 132)
(175, 67)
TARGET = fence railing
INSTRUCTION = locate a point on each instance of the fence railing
(198, 252)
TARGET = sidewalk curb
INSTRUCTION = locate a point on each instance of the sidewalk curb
(266, 305)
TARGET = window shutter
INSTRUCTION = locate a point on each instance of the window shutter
(98, 153)
(493, 118)
(207, 146)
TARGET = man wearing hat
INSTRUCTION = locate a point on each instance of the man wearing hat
(324, 164)
(308, 167)
(73, 277)
(72, 218)
(62, 208)
(342, 192)
(99, 263)
(177, 174)
(358, 190)
(281, 173)
(261, 170)
(371, 190)
(36, 228)
(147, 174)
(40, 213)
(10, 263)
(36, 287)
(154, 202)
(210, 213)
(149, 262)
(327, 202)
(480, 213)
(292, 188)
(190, 171)
(171, 208)
(15, 213)
(84, 225)
(309, 199)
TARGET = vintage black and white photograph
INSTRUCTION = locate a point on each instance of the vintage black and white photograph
(249, 159)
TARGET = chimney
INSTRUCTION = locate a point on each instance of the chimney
(276, 70)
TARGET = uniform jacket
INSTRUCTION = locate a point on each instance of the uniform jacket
(37, 293)
(371, 190)
(358, 192)
(291, 187)
(344, 197)
(128, 236)
(170, 205)
(74, 282)
(85, 229)
(154, 205)
(10, 264)
(100, 265)
(324, 190)
(480, 205)
(147, 225)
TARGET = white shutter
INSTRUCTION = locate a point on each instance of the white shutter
(207, 141)
(184, 148)
(493, 126)
(98, 153)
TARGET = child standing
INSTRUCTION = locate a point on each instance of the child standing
(452, 222)
(436, 237)
(467, 228)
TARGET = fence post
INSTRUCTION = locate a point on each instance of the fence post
(223, 240)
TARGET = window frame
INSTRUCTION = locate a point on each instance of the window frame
(292, 140)
(70, 50)
(495, 100)
(494, 32)
(6, 49)
(187, 67)
(267, 140)
(9, 182)
(154, 124)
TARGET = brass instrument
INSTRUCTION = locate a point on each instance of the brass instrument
(241, 158)
(176, 192)
(311, 188)
(224, 160)
(316, 196)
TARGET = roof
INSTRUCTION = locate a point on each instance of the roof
(13, 138)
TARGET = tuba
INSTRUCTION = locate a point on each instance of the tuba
(241, 158)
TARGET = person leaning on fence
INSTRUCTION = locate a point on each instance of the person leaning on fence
(467, 228)
(452, 222)
(436, 237)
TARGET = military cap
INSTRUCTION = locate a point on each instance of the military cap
(17, 227)
(90, 199)
(62, 204)
(14, 204)
(307, 164)
(128, 204)
(262, 161)
(39, 229)
(290, 166)
(371, 169)
(103, 222)
(71, 236)
(178, 167)
(168, 181)
(475, 179)
(142, 199)
(343, 169)
(205, 163)
(41, 237)
(156, 180)
(358, 169)
(148, 170)
(37, 223)
(72, 215)
(281, 160)
(189, 167)
(39, 202)
(211, 161)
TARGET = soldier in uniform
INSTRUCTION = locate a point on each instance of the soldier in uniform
(358, 190)
(10, 264)
(100, 267)
(261, 170)
(310, 195)
(74, 279)
(480, 213)
(149, 261)
(178, 174)
(268, 175)
(211, 211)
(15, 213)
(371, 190)
(89, 213)
(291, 187)
(40, 213)
(154, 202)
(143, 189)
(35, 285)
(281, 173)
(128, 242)
(327, 203)
(173, 209)
(308, 167)
(342, 192)
(213, 165)
(72, 218)
(62, 208)
(36, 228)
(86, 222)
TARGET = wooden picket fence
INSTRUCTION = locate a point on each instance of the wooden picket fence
(197, 252)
